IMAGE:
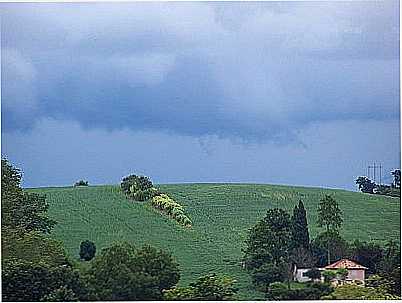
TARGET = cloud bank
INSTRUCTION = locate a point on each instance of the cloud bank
(248, 71)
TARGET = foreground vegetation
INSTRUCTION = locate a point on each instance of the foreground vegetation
(221, 215)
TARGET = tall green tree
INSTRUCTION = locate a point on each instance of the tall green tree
(329, 214)
(268, 247)
(300, 234)
(19, 209)
(330, 218)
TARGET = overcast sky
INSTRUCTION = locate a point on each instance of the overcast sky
(303, 93)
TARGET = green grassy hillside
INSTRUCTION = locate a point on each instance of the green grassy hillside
(221, 215)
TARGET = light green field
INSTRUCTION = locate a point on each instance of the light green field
(221, 215)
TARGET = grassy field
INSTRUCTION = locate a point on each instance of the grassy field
(221, 215)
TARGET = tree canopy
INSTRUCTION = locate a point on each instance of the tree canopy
(20, 209)
(122, 272)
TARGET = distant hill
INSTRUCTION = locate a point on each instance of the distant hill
(221, 215)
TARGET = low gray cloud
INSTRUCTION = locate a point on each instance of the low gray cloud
(244, 71)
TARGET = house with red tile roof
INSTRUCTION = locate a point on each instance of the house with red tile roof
(356, 272)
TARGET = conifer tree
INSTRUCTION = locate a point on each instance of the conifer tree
(300, 234)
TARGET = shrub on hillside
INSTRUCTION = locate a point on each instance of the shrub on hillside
(81, 183)
(139, 188)
(167, 205)
(87, 250)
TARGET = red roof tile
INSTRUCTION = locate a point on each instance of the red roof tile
(345, 263)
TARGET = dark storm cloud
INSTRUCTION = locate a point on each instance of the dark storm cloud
(255, 71)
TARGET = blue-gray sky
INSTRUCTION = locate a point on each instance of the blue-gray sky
(303, 93)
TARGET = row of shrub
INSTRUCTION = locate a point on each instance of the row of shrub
(140, 188)
(167, 205)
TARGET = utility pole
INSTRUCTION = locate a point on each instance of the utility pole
(374, 175)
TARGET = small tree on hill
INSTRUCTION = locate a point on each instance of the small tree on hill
(87, 250)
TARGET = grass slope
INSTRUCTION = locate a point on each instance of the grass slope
(221, 215)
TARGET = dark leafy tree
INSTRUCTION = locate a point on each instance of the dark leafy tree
(268, 251)
(87, 250)
(122, 272)
(367, 254)
(328, 247)
(390, 267)
(300, 234)
(135, 183)
(397, 178)
(81, 183)
(269, 273)
(19, 209)
(279, 291)
(313, 274)
(269, 240)
(366, 185)
(27, 281)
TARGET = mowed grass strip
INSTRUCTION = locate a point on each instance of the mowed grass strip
(221, 216)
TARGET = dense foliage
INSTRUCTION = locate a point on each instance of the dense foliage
(208, 288)
(20, 209)
(123, 272)
(280, 291)
(87, 250)
(139, 188)
(167, 205)
(355, 292)
(267, 254)
(28, 281)
(299, 227)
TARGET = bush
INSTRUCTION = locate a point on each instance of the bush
(313, 274)
(167, 205)
(27, 281)
(134, 183)
(329, 275)
(280, 291)
(81, 183)
(207, 288)
(87, 250)
(124, 273)
(138, 188)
